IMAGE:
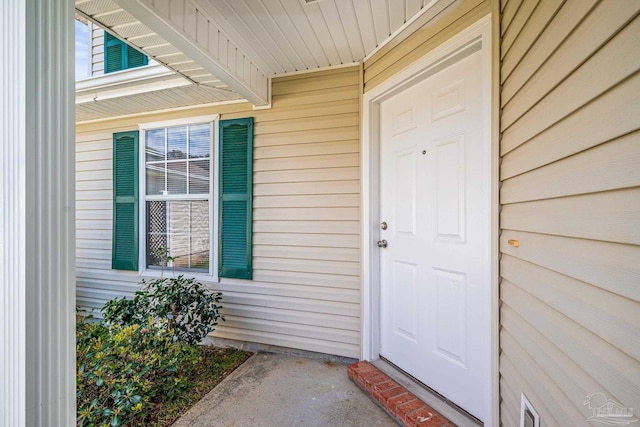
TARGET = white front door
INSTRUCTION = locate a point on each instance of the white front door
(436, 203)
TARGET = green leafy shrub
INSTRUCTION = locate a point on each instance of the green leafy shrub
(123, 370)
(189, 309)
(145, 351)
(125, 311)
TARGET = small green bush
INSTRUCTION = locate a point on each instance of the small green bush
(144, 351)
(125, 311)
(123, 370)
(190, 310)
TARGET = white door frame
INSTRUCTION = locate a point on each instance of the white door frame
(476, 35)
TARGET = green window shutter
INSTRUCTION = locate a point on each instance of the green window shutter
(120, 56)
(125, 201)
(135, 58)
(113, 51)
(235, 198)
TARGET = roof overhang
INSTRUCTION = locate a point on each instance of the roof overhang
(143, 90)
(185, 39)
(128, 82)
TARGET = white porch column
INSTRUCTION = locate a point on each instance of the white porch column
(37, 214)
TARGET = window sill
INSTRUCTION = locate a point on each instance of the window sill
(168, 273)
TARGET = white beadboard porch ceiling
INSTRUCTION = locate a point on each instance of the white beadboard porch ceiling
(238, 45)
(285, 36)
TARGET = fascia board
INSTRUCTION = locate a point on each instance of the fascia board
(114, 91)
(127, 78)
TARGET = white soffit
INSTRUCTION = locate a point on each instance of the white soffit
(111, 105)
(141, 90)
(288, 36)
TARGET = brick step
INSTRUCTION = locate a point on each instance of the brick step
(404, 407)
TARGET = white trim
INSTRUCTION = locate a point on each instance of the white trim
(126, 78)
(478, 32)
(122, 91)
(170, 197)
(213, 206)
(495, 211)
(89, 49)
(262, 107)
(525, 404)
(213, 121)
(165, 111)
(315, 70)
(179, 122)
(427, 7)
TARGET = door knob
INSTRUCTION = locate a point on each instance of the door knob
(383, 226)
(382, 243)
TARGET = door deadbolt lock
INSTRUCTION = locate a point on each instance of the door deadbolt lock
(383, 225)
(382, 243)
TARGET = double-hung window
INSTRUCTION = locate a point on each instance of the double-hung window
(179, 172)
(182, 197)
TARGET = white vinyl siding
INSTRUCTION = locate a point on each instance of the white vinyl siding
(306, 288)
(570, 194)
(97, 49)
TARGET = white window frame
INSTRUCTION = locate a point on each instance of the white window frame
(213, 121)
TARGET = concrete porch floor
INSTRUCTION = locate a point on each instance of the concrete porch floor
(273, 390)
